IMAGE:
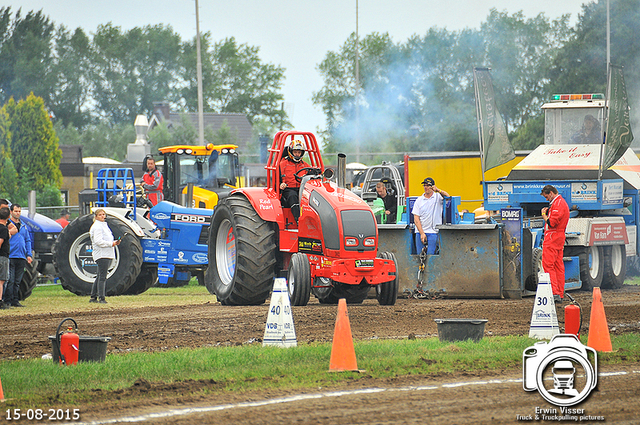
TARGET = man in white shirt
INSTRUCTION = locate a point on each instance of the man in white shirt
(427, 214)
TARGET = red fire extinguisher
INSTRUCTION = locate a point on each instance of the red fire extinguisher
(572, 317)
(68, 343)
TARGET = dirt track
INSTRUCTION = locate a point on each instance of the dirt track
(210, 324)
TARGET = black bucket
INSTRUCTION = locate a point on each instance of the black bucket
(92, 348)
(450, 330)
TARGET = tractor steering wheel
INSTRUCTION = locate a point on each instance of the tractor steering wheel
(310, 171)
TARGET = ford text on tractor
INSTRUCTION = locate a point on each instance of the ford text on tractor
(331, 251)
(604, 211)
(165, 244)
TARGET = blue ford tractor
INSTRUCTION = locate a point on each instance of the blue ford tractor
(166, 243)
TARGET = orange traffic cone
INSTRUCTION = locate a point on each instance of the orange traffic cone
(343, 355)
(1, 392)
(599, 338)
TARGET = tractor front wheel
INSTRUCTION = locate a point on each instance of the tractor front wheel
(242, 253)
(29, 279)
(299, 279)
(387, 292)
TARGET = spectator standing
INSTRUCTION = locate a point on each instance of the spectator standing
(103, 252)
(10, 226)
(427, 212)
(152, 182)
(64, 218)
(4, 252)
(556, 217)
(19, 257)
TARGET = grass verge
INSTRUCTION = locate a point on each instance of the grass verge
(44, 298)
(39, 383)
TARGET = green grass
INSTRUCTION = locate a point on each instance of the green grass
(41, 383)
(44, 297)
(633, 280)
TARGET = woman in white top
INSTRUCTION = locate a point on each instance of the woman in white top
(103, 252)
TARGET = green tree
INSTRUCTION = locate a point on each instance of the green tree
(224, 135)
(25, 55)
(134, 69)
(72, 92)
(108, 141)
(10, 187)
(580, 65)
(34, 144)
(234, 80)
(520, 52)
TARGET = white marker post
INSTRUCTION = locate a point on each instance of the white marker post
(544, 320)
(279, 330)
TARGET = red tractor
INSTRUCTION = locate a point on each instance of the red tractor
(331, 251)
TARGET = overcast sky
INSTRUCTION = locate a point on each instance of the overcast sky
(295, 34)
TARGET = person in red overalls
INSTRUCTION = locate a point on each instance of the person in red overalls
(556, 217)
(289, 186)
(152, 182)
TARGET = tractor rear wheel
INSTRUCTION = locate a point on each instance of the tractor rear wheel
(299, 279)
(29, 280)
(242, 253)
(74, 263)
(387, 292)
(615, 266)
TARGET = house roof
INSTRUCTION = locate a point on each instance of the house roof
(238, 123)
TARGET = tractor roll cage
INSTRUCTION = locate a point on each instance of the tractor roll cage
(281, 141)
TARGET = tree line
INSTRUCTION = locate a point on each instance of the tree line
(418, 95)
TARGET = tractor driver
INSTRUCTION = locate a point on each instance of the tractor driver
(289, 186)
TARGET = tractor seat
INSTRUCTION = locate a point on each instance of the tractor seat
(388, 183)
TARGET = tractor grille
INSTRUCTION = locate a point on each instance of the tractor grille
(358, 224)
(204, 236)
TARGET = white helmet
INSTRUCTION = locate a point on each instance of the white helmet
(296, 145)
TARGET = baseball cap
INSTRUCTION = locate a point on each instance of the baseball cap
(428, 181)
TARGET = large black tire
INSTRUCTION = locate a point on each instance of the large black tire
(299, 279)
(242, 253)
(41, 266)
(200, 277)
(615, 267)
(387, 292)
(146, 279)
(29, 280)
(75, 266)
(531, 282)
(591, 267)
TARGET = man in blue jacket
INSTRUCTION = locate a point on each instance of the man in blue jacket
(19, 256)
